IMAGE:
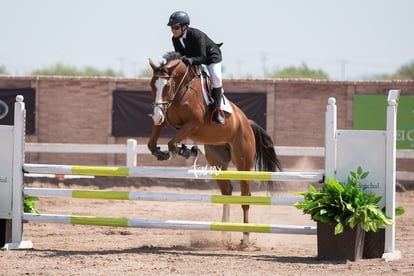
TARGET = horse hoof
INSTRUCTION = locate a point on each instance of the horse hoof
(162, 155)
(195, 151)
(184, 151)
(246, 239)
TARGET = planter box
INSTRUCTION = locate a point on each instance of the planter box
(374, 244)
(5, 232)
(348, 245)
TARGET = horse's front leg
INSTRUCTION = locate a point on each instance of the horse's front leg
(152, 143)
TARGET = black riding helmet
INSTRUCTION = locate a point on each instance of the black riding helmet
(179, 18)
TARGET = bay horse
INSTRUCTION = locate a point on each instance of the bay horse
(178, 100)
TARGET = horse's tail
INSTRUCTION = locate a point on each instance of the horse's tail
(265, 158)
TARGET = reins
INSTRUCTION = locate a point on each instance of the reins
(165, 105)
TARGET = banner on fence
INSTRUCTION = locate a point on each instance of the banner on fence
(370, 112)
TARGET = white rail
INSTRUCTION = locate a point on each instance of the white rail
(131, 149)
(142, 149)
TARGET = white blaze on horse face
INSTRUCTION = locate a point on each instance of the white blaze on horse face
(158, 113)
(157, 116)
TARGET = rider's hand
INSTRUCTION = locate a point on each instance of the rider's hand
(187, 61)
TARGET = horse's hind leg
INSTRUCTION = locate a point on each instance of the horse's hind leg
(243, 159)
(245, 191)
(219, 156)
(226, 189)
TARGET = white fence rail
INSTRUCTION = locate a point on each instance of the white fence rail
(142, 149)
(132, 149)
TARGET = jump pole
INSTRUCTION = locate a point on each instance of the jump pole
(172, 224)
(208, 174)
(153, 196)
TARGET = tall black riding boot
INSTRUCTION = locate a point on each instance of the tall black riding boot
(217, 115)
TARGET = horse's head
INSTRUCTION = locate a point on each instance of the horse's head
(166, 81)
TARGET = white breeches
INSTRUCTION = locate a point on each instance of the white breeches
(214, 70)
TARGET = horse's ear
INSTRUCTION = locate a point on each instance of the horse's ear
(171, 67)
(153, 65)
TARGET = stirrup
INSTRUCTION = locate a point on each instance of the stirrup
(216, 119)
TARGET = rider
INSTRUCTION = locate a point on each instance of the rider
(197, 48)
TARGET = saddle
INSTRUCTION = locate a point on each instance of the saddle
(206, 90)
(206, 85)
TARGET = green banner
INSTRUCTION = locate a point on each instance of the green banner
(370, 112)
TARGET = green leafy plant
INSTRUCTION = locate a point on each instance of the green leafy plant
(344, 204)
(399, 211)
(29, 204)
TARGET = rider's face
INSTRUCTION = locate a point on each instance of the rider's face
(177, 30)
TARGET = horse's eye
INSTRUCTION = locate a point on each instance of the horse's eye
(167, 86)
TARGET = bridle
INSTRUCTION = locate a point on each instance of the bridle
(165, 105)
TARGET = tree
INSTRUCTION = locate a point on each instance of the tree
(3, 70)
(405, 72)
(60, 69)
(145, 73)
(299, 73)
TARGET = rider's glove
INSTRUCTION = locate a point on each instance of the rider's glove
(187, 61)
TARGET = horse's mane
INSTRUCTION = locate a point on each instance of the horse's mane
(170, 56)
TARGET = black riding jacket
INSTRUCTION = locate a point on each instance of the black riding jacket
(199, 47)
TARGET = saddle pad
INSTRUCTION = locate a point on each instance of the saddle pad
(225, 104)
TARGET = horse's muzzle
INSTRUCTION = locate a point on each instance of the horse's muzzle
(158, 116)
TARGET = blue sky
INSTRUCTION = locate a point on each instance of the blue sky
(349, 39)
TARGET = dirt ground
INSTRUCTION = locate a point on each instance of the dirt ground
(61, 249)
